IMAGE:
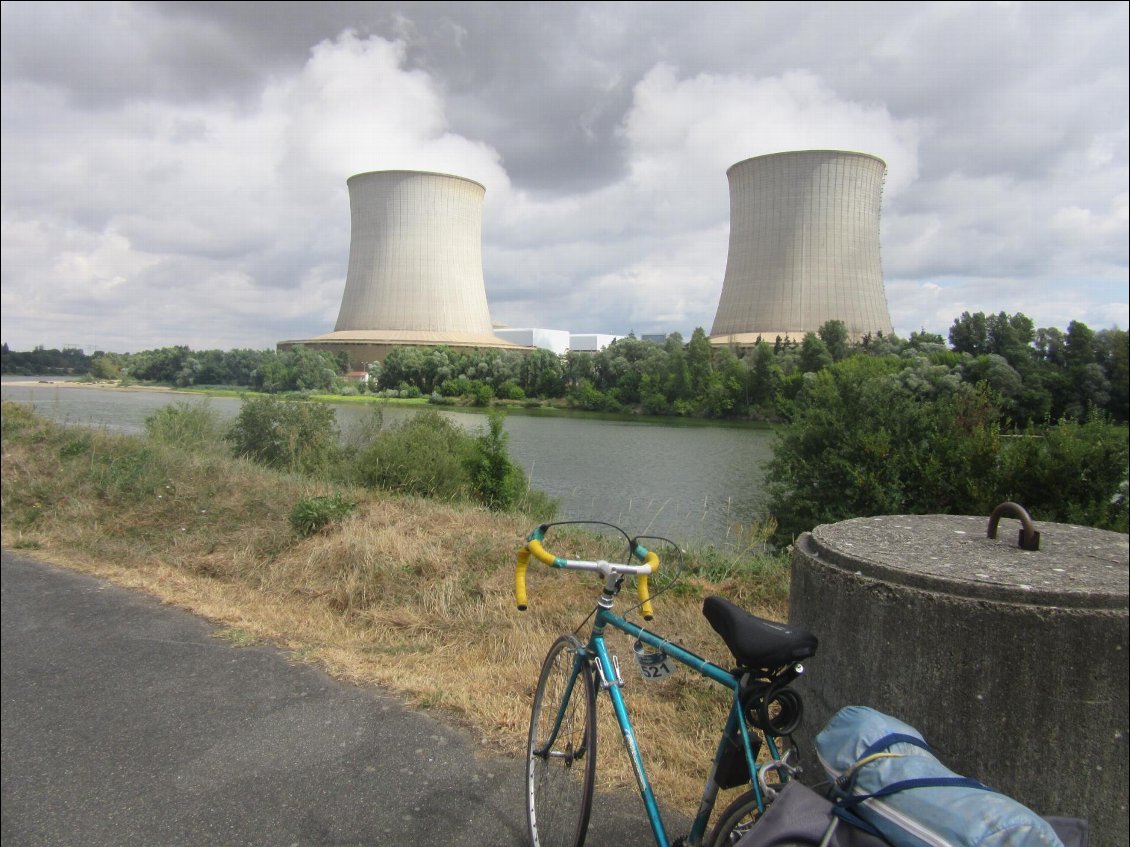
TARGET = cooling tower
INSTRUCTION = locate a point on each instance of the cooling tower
(415, 273)
(804, 247)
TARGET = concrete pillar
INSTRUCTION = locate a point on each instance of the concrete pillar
(1012, 663)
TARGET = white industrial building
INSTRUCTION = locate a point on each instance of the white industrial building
(556, 340)
(593, 342)
(804, 247)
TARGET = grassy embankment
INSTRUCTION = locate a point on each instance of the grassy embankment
(412, 594)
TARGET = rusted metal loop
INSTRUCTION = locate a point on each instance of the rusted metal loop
(1029, 538)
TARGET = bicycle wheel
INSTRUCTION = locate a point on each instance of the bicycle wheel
(738, 819)
(561, 754)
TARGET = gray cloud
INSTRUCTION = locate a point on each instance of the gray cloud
(175, 172)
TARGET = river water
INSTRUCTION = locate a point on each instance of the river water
(693, 482)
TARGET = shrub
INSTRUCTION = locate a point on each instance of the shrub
(424, 455)
(495, 481)
(862, 443)
(311, 514)
(287, 435)
(1069, 473)
(185, 425)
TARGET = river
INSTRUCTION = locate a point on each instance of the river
(693, 482)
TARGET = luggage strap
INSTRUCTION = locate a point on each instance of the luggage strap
(845, 803)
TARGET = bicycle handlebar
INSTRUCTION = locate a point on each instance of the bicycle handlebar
(533, 547)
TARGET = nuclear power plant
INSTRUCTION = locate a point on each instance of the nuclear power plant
(804, 248)
(415, 274)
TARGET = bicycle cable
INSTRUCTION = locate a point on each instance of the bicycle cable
(631, 546)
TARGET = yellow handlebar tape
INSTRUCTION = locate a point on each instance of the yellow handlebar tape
(520, 579)
(540, 553)
(534, 548)
(641, 586)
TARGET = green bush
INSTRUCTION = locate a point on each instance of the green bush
(429, 456)
(311, 514)
(184, 424)
(495, 481)
(289, 435)
(424, 455)
(1069, 473)
(861, 443)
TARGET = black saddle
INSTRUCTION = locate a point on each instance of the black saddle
(756, 642)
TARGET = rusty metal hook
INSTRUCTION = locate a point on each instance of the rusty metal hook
(1029, 538)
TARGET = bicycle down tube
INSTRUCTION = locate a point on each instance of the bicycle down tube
(611, 683)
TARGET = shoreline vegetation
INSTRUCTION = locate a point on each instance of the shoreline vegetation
(1037, 375)
(509, 407)
(408, 592)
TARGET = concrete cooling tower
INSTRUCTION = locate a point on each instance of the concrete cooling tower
(415, 273)
(804, 247)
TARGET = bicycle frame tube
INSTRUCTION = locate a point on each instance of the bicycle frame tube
(735, 726)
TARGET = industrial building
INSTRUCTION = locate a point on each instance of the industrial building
(556, 340)
(415, 273)
(804, 248)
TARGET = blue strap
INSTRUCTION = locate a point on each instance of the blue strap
(921, 782)
(850, 817)
(894, 738)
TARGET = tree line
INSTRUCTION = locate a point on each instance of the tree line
(1037, 374)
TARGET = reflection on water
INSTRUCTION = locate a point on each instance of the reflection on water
(694, 484)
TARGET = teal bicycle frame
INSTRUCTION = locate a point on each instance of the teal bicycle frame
(608, 679)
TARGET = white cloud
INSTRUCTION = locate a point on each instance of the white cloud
(189, 186)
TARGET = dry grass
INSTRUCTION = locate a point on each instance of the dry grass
(406, 593)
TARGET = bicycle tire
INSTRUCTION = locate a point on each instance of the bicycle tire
(736, 820)
(559, 781)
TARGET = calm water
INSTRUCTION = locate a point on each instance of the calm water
(690, 482)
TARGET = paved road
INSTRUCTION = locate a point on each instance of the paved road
(126, 722)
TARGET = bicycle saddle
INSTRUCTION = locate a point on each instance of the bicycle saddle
(756, 642)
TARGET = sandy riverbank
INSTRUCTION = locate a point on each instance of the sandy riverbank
(68, 382)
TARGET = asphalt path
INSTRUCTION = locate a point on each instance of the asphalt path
(127, 722)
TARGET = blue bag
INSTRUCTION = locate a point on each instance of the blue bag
(888, 777)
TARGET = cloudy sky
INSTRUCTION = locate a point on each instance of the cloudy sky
(174, 173)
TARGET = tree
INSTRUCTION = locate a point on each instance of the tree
(858, 444)
(1079, 345)
(766, 378)
(542, 374)
(1011, 337)
(677, 385)
(699, 363)
(835, 336)
(814, 355)
(308, 369)
(103, 367)
(970, 334)
(1051, 347)
(1112, 350)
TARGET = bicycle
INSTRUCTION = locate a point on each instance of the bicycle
(561, 748)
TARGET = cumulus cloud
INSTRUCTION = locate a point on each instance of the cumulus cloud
(214, 211)
(175, 172)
